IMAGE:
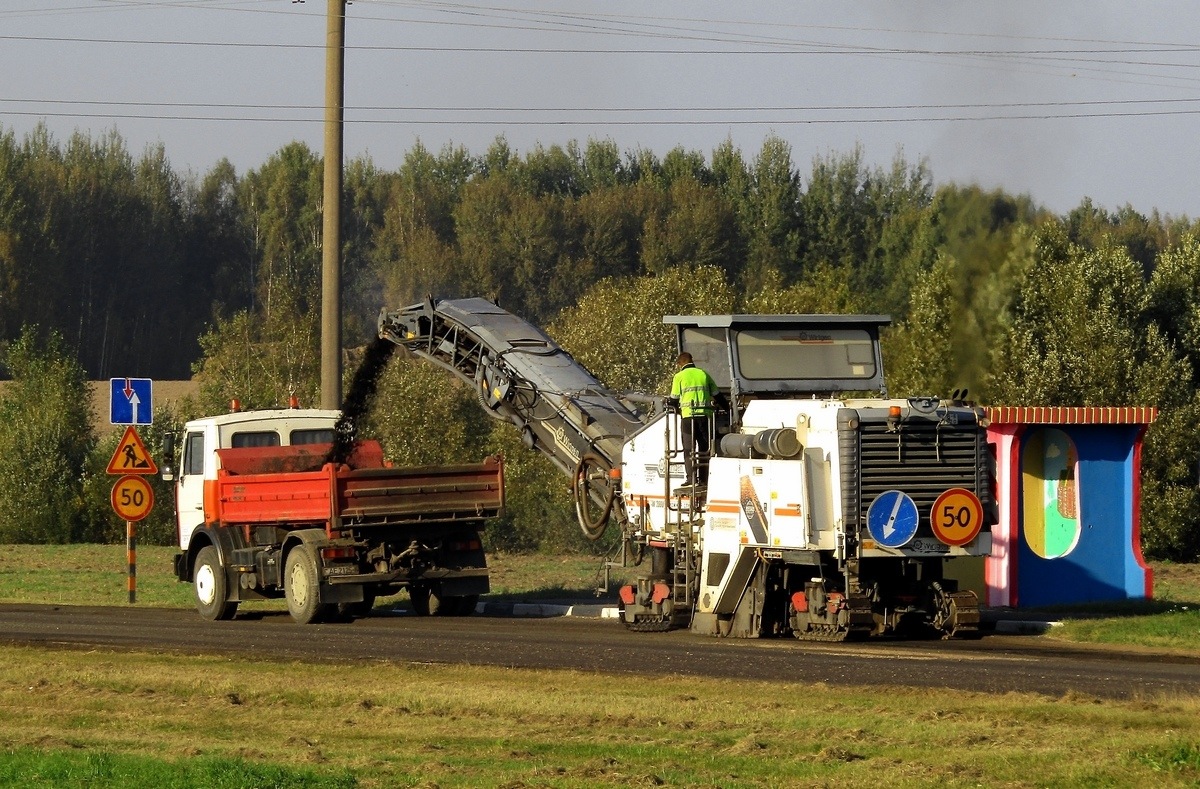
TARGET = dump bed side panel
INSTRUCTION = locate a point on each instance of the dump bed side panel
(365, 496)
(419, 494)
(300, 497)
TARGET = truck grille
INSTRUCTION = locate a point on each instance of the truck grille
(920, 459)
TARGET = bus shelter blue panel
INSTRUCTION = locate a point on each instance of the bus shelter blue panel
(1079, 538)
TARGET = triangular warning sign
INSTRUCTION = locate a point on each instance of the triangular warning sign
(131, 456)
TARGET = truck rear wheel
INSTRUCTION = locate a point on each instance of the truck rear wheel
(357, 610)
(466, 605)
(211, 586)
(302, 586)
(427, 601)
(420, 597)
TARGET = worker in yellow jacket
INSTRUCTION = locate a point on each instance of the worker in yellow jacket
(697, 393)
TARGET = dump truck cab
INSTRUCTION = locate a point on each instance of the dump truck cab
(199, 464)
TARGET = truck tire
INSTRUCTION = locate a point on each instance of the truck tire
(427, 601)
(420, 597)
(347, 611)
(302, 586)
(466, 605)
(211, 586)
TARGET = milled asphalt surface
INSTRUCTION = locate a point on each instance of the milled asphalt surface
(996, 620)
(540, 636)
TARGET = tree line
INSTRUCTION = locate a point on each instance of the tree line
(114, 265)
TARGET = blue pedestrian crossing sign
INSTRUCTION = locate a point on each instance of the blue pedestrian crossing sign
(892, 519)
(130, 401)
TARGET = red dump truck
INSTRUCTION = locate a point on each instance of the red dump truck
(261, 514)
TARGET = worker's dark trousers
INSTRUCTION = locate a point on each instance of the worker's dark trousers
(693, 434)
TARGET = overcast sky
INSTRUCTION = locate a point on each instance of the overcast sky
(1059, 100)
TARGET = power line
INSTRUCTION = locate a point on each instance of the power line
(726, 24)
(782, 121)
(528, 108)
(1110, 54)
(1036, 54)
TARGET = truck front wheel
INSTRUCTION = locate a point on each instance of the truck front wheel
(303, 586)
(211, 586)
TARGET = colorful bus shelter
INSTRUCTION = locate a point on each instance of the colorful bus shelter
(1068, 490)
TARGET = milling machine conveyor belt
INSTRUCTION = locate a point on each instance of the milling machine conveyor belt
(523, 376)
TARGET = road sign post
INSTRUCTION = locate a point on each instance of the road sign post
(132, 499)
(131, 559)
(130, 401)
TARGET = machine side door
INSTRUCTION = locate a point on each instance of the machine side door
(189, 487)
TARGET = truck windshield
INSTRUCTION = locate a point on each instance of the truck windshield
(782, 354)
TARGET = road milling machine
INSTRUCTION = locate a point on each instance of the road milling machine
(830, 510)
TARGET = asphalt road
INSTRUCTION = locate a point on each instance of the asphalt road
(993, 664)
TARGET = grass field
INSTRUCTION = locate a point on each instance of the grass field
(94, 719)
(99, 719)
(1169, 622)
(97, 575)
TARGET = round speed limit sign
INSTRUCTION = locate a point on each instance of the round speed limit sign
(956, 517)
(132, 497)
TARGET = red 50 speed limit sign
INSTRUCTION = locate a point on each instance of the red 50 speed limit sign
(132, 497)
(956, 517)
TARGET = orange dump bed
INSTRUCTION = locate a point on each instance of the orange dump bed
(293, 486)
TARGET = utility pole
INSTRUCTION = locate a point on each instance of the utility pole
(331, 234)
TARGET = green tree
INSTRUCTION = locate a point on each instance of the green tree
(616, 329)
(767, 197)
(919, 354)
(365, 198)
(683, 164)
(986, 235)
(260, 361)
(553, 171)
(92, 244)
(871, 222)
(539, 515)
(602, 166)
(217, 248)
(698, 229)
(1079, 333)
(609, 226)
(1075, 333)
(281, 205)
(45, 438)
(823, 289)
(1170, 494)
(423, 415)
(480, 220)
(1091, 226)
(414, 251)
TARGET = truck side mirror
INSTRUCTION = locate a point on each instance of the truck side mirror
(168, 457)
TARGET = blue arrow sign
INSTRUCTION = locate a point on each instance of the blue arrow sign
(130, 401)
(892, 519)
